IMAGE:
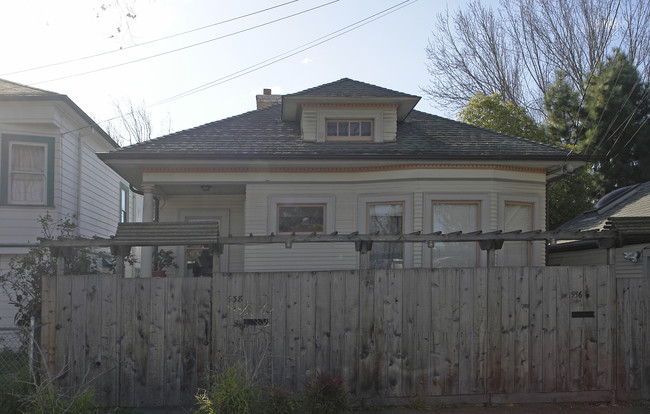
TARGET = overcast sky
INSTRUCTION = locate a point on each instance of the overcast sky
(388, 51)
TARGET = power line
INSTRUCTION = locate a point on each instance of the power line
(185, 47)
(277, 58)
(290, 53)
(121, 49)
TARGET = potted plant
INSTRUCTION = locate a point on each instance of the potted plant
(161, 260)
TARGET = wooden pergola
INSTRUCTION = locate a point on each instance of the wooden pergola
(182, 233)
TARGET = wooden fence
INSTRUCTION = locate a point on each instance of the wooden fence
(474, 334)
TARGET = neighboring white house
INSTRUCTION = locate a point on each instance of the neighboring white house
(345, 156)
(48, 165)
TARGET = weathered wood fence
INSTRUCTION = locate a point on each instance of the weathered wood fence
(498, 334)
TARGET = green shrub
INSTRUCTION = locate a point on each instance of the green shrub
(14, 379)
(230, 393)
(325, 395)
(280, 401)
(53, 400)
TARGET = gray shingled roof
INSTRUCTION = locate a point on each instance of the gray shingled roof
(13, 89)
(632, 201)
(263, 134)
(349, 88)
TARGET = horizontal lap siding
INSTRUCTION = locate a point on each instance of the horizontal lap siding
(347, 204)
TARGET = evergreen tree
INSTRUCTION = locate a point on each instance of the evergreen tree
(615, 122)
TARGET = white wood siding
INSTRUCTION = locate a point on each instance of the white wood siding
(502, 185)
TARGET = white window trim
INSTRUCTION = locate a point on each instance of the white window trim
(329, 201)
(484, 216)
(537, 218)
(376, 115)
(407, 199)
(224, 228)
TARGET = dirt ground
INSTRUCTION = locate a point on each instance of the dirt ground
(568, 408)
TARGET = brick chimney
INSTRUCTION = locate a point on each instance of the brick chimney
(268, 99)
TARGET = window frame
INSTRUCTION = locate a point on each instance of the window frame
(376, 115)
(476, 203)
(407, 220)
(123, 212)
(349, 137)
(535, 223)
(483, 199)
(329, 214)
(281, 205)
(7, 140)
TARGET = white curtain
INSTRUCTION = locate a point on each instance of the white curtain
(28, 182)
(450, 217)
(517, 216)
(386, 219)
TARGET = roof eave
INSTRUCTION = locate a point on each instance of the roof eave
(291, 105)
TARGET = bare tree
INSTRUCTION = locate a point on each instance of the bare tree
(517, 50)
(133, 123)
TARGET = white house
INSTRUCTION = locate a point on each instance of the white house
(345, 156)
(48, 165)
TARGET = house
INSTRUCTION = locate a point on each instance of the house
(344, 157)
(626, 210)
(48, 165)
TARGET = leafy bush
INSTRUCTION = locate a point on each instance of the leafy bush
(280, 401)
(325, 395)
(53, 400)
(230, 393)
(14, 380)
(22, 284)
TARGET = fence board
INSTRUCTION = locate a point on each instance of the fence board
(173, 341)
(389, 334)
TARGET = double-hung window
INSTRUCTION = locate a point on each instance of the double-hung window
(386, 218)
(517, 216)
(452, 216)
(27, 171)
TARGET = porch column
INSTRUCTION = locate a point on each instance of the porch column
(147, 217)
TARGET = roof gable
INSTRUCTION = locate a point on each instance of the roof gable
(347, 91)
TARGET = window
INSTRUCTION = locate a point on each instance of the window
(199, 258)
(349, 129)
(517, 216)
(301, 218)
(124, 203)
(386, 218)
(451, 216)
(27, 171)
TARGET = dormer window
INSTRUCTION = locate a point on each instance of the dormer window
(350, 129)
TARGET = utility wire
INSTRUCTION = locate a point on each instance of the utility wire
(288, 54)
(121, 49)
(275, 59)
(185, 47)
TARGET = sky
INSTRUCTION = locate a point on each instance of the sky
(229, 52)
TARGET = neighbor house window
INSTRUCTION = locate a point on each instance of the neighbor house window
(124, 203)
(386, 218)
(452, 216)
(198, 258)
(349, 129)
(301, 218)
(27, 171)
(517, 216)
